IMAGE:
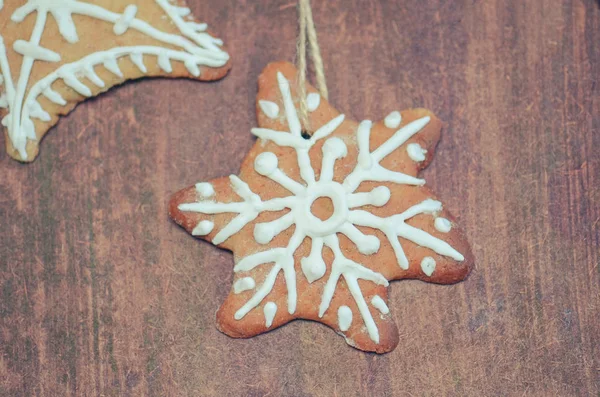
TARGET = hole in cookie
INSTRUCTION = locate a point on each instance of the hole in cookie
(305, 135)
(322, 208)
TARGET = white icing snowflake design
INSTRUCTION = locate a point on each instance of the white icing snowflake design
(193, 47)
(346, 216)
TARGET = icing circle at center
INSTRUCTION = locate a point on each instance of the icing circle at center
(314, 226)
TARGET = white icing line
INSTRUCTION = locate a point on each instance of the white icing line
(378, 197)
(122, 24)
(54, 96)
(243, 284)
(191, 30)
(442, 225)
(333, 149)
(290, 110)
(138, 60)
(265, 232)
(416, 152)
(14, 123)
(366, 244)
(393, 119)
(37, 112)
(352, 272)
(77, 85)
(183, 11)
(112, 66)
(165, 63)
(90, 73)
(313, 266)
(270, 310)
(401, 136)
(35, 51)
(395, 226)
(5, 71)
(192, 68)
(270, 109)
(197, 27)
(368, 168)
(428, 265)
(344, 318)
(68, 71)
(379, 304)
(313, 100)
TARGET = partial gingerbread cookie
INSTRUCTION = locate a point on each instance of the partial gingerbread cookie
(319, 220)
(56, 53)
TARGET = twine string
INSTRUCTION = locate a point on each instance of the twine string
(308, 31)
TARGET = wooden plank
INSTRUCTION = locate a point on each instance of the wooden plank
(100, 294)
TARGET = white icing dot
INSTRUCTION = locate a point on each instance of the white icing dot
(203, 228)
(344, 318)
(380, 196)
(264, 233)
(265, 163)
(442, 225)
(393, 119)
(270, 109)
(313, 100)
(369, 245)
(379, 304)
(428, 265)
(336, 147)
(416, 152)
(205, 189)
(313, 268)
(270, 309)
(243, 284)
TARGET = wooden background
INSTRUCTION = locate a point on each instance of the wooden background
(101, 295)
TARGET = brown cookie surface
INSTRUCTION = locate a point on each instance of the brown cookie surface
(55, 54)
(318, 225)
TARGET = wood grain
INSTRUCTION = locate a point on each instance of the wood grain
(101, 295)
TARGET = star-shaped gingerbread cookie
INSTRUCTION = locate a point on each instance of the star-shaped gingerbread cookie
(320, 220)
(56, 53)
